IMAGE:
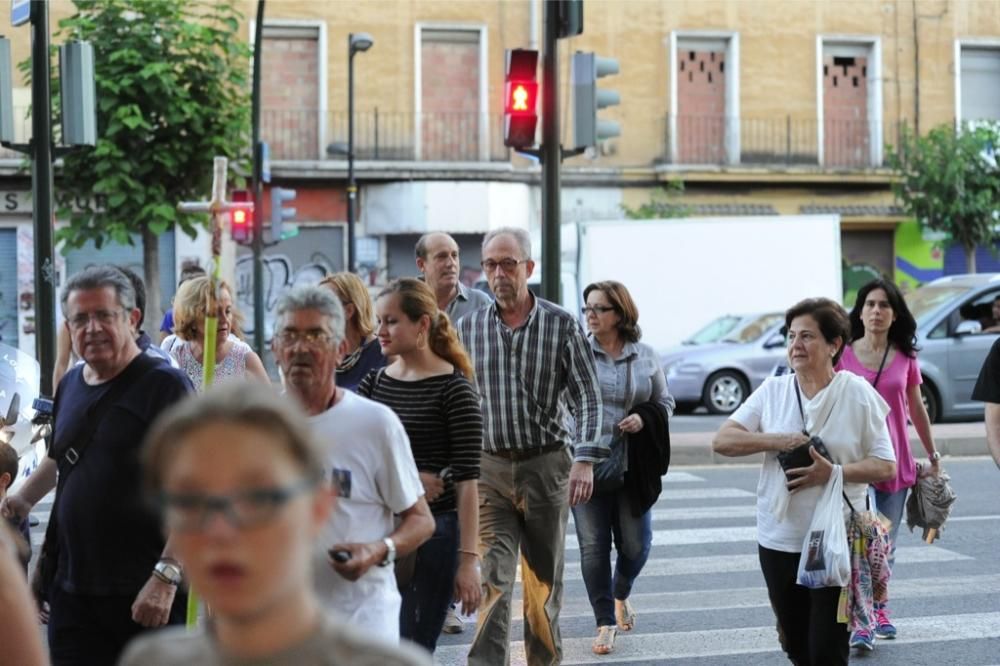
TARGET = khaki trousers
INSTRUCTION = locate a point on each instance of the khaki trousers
(523, 509)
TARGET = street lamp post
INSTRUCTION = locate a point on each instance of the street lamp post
(356, 41)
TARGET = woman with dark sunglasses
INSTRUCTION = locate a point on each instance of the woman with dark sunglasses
(241, 486)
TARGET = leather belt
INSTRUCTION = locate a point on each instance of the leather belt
(520, 455)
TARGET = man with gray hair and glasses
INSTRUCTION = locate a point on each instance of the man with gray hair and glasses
(369, 461)
(437, 259)
(113, 573)
(535, 369)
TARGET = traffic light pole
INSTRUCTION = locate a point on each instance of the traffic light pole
(551, 157)
(41, 194)
(257, 186)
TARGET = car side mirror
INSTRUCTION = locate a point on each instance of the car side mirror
(776, 340)
(968, 327)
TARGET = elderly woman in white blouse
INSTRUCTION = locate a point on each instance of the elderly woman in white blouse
(848, 415)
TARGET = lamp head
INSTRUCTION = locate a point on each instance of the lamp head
(360, 41)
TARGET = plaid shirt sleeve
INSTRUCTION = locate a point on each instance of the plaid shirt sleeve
(583, 394)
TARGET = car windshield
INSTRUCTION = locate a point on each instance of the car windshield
(714, 330)
(925, 300)
(752, 328)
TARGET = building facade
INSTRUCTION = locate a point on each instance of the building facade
(755, 106)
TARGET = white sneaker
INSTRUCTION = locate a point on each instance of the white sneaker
(452, 623)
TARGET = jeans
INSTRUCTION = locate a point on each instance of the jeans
(892, 506)
(605, 517)
(429, 593)
(808, 618)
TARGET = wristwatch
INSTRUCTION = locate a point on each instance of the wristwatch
(934, 457)
(390, 552)
(169, 572)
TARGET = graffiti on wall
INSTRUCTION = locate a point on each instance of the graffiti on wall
(280, 275)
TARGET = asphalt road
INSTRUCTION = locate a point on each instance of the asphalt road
(701, 599)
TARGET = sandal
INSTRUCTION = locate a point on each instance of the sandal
(605, 641)
(625, 615)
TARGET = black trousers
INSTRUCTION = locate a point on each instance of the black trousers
(93, 631)
(808, 618)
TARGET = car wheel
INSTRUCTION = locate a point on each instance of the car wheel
(724, 392)
(931, 401)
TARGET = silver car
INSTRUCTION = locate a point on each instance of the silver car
(721, 375)
(953, 314)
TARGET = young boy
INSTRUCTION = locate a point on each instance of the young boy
(8, 472)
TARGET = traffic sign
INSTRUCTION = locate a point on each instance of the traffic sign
(20, 12)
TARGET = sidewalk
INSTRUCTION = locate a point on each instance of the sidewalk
(951, 439)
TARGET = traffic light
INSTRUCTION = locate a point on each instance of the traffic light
(279, 213)
(520, 98)
(241, 216)
(588, 99)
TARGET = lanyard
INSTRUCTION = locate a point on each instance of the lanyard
(881, 366)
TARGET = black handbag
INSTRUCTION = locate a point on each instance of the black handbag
(48, 554)
(609, 474)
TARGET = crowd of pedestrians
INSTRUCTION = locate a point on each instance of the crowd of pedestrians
(422, 445)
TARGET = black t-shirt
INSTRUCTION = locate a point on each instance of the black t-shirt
(988, 385)
(109, 535)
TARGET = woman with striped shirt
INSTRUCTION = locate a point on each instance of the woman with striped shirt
(428, 386)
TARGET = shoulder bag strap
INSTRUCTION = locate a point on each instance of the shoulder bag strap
(136, 369)
(881, 366)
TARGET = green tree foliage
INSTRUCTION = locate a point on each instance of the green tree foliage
(950, 182)
(172, 93)
(662, 204)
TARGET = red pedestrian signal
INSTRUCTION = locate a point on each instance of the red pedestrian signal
(241, 216)
(520, 98)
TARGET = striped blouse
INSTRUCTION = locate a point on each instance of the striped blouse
(443, 420)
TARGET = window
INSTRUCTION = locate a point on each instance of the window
(292, 107)
(978, 82)
(850, 102)
(704, 118)
(451, 93)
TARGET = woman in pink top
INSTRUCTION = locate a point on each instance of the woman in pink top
(883, 352)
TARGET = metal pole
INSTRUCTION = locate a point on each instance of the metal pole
(551, 158)
(258, 186)
(351, 187)
(41, 194)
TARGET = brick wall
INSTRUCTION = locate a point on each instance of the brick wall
(701, 106)
(846, 139)
(449, 96)
(290, 96)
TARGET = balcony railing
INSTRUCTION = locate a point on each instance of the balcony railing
(837, 144)
(295, 134)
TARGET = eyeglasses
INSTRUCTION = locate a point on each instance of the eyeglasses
(102, 317)
(190, 512)
(596, 309)
(308, 338)
(507, 265)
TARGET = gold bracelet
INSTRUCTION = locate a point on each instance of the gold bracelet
(469, 552)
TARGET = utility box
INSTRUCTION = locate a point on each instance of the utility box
(76, 76)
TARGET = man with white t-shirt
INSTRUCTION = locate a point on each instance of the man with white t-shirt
(370, 464)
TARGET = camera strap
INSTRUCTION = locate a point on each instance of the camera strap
(802, 413)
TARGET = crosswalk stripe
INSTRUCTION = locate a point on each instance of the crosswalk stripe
(709, 564)
(703, 493)
(687, 537)
(703, 513)
(756, 597)
(673, 646)
(682, 477)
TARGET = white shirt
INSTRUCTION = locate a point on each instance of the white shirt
(848, 415)
(371, 465)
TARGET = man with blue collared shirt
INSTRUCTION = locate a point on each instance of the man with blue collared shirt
(534, 369)
(438, 261)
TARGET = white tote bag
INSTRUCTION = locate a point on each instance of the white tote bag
(826, 560)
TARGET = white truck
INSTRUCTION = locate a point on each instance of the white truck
(684, 272)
